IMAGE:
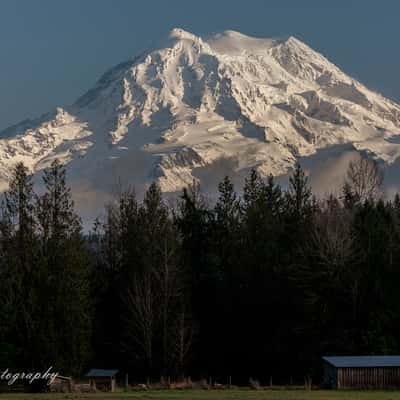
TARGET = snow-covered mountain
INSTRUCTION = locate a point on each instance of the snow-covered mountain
(193, 108)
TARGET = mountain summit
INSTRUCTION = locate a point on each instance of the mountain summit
(193, 107)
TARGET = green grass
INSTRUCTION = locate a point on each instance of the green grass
(216, 395)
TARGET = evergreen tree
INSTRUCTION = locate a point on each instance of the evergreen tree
(253, 189)
(195, 222)
(154, 295)
(299, 197)
(65, 292)
(227, 226)
(20, 278)
(117, 252)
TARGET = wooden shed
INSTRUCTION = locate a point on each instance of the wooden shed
(362, 372)
(102, 379)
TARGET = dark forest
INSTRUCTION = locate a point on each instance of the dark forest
(259, 284)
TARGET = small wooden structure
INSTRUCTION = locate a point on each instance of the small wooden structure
(102, 379)
(362, 372)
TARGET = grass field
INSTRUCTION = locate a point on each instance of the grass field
(216, 395)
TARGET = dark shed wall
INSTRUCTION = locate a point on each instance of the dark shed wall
(364, 378)
(330, 375)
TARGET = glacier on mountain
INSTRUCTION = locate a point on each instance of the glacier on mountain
(230, 101)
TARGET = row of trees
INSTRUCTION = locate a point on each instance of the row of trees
(45, 302)
(244, 286)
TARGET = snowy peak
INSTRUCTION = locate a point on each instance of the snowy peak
(193, 108)
(235, 43)
(180, 40)
(178, 33)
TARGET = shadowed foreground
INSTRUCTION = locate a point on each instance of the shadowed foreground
(220, 395)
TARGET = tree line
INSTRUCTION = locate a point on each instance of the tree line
(261, 283)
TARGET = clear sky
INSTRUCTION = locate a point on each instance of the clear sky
(51, 51)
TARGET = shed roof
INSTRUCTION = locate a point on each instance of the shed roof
(363, 361)
(101, 373)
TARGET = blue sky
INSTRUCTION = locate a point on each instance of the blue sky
(52, 50)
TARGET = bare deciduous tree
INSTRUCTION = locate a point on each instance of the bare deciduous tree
(183, 334)
(334, 246)
(332, 238)
(140, 319)
(169, 286)
(364, 180)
